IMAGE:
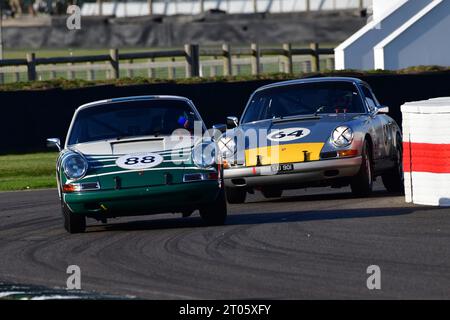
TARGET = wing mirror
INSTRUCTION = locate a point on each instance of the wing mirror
(232, 122)
(383, 109)
(54, 143)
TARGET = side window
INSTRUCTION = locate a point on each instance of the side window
(370, 99)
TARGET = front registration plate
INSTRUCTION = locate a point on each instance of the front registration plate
(281, 168)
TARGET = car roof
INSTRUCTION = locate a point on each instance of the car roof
(133, 98)
(312, 80)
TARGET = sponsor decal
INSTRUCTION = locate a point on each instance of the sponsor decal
(139, 160)
(288, 134)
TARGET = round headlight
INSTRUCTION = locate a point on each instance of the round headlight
(204, 154)
(227, 147)
(75, 166)
(342, 136)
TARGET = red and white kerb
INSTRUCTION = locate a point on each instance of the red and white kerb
(426, 151)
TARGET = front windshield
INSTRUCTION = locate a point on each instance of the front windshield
(304, 99)
(127, 119)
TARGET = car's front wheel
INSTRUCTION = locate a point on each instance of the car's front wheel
(73, 223)
(215, 213)
(236, 195)
(362, 183)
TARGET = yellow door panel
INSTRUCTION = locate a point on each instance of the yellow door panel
(285, 153)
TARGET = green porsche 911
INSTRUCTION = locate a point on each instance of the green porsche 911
(138, 156)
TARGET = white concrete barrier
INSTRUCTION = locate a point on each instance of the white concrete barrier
(426, 151)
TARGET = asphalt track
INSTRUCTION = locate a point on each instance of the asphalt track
(306, 245)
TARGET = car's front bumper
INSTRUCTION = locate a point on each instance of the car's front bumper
(143, 200)
(303, 173)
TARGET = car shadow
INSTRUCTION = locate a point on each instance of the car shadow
(262, 218)
(327, 196)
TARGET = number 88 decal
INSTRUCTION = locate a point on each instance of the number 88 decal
(288, 134)
(139, 161)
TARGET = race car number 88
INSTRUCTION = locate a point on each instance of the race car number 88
(136, 160)
(139, 160)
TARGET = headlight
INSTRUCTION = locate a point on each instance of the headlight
(227, 147)
(342, 136)
(204, 154)
(75, 166)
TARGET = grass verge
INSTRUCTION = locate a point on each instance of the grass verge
(28, 171)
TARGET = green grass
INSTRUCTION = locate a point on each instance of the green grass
(27, 171)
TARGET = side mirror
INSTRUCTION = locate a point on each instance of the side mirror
(54, 143)
(232, 122)
(220, 127)
(383, 109)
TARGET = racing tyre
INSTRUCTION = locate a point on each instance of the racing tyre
(73, 223)
(215, 214)
(393, 179)
(362, 183)
(271, 193)
(236, 195)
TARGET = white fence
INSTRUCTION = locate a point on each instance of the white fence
(170, 64)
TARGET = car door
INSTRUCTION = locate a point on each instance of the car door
(381, 134)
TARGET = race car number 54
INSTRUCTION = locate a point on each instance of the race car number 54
(141, 160)
(288, 134)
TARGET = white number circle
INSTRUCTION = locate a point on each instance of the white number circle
(288, 134)
(140, 160)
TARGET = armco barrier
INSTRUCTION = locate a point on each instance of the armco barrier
(426, 149)
(27, 118)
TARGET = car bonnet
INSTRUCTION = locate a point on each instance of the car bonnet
(289, 140)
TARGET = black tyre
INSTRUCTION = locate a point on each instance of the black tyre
(215, 213)
(236, 195)
(393, 179)
(362, 183)
(271, 192)
(73, 223)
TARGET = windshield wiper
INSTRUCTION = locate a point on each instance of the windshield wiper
(320, 109)
(128, 137)
(295, 118)
(155, 133)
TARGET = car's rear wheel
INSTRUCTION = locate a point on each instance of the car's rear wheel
(236, 195)
(215, 213)
(73, 223)
(271, 192)
(393, 179)
(362, 183)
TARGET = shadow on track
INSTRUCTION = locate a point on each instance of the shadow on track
(327, 196)
(261, 218)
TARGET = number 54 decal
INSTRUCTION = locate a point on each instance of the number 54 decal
(142, 160)
(288, 134)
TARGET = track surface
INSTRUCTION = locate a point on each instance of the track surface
(303, 246)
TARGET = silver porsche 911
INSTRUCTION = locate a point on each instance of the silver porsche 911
(311, 132)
